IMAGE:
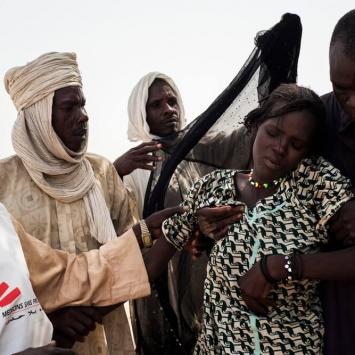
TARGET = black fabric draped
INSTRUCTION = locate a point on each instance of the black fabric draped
(215, 139)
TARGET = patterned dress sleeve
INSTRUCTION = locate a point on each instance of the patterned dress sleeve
(331, 190)
(203, 193)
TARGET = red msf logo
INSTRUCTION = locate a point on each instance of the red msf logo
(10, 297)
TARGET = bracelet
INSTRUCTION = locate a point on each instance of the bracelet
(294, 267)
(265, 270)
(146, 236)
(289, 266)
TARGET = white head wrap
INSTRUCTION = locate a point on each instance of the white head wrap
(138, 129)
(64, 175)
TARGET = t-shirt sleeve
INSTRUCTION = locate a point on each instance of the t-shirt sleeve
(331, 191)
(203, 193)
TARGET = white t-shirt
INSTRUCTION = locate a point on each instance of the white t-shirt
(23, 323)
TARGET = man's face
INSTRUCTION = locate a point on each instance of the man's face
(69, 118)
(163, 112)
(342, 76)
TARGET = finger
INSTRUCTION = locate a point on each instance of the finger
(168, 212)
(341, 235)
(53, 343)
(335, 226)
(349, 241)
(221, 234)
(257, 308)
(80, 329)
(84, 319)
(71, 333)
(145, 166)
(148, 158)
(145, 144)
(212, 214)
(149, 149)
(196, 256)
(94, 314)
(228, 221)
(267, 302)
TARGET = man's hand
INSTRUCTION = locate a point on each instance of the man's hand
(342, 224)
(214, 222)
(255, 288)
(46, 350)
(155, 221)
(138, 158)
(197, 244)
(75, 322)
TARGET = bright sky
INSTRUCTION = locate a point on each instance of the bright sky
(201, 44)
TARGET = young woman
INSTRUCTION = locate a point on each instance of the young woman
(261, 291)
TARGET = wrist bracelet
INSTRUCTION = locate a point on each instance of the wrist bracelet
(146, 236)
(294, 267)
(289, 266)
(265, 270)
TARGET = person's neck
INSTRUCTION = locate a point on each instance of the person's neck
(248, 193)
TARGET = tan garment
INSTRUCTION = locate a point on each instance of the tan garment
(65, 226)
(112, 274)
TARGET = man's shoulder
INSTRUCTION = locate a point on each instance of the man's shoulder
(98, 162)
(10, 164)
(101, 166)
(12, 175)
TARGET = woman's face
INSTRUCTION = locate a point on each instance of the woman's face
(281, 143)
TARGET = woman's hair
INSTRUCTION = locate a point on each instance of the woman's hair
(295, 98)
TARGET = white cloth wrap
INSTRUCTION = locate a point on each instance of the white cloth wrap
(138, 129)
(65, 175)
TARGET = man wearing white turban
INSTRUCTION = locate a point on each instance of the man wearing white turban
(155, 110)
(67, 198)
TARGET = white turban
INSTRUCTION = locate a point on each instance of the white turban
(138, 129)
(64, 175)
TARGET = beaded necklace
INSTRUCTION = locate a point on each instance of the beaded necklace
(256, 184)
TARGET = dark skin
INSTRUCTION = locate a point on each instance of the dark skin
(342, 76)
(279, 146)
(49, 349)
(69, 117)
(70, 121)
(163, 116)
(155, 260)
(254, 287)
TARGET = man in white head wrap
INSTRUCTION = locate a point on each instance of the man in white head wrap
(67, 198)
(155, 110)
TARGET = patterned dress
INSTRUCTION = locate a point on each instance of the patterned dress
(293, 220)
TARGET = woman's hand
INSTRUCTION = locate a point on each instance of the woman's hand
(255, 289)
(197, 244)
(214, 222)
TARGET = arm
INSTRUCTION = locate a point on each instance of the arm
(317, 266)
(113, 274)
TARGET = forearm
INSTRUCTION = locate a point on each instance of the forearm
(331, 266)
(157, 257)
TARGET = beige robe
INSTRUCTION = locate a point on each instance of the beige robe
(66, 227)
